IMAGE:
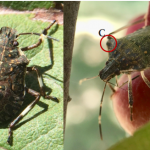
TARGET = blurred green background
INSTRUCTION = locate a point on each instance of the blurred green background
(82, 131)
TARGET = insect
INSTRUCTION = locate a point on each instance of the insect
(131, 54)
(13, 67)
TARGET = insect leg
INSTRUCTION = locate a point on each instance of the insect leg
(42, 35)
(127, 81)
(116, 80)
(23, 113)
(111, 87)
(42, 91)
(100, 111)
(130, 95)
(145, 79)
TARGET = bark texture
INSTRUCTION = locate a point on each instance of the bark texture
(70, 16)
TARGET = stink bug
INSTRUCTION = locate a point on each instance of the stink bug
(13, 64)
(130, 55)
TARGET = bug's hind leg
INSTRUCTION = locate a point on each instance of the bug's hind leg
(42, 91)
(145, 79)
(23, 113)
(130, 96)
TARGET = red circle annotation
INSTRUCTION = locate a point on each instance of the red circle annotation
(101, 43)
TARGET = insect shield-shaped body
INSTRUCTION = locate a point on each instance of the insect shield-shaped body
(12, 74)
(131, 54)
(13, 67)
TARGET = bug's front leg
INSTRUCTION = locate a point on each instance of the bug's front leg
(23, 113)
(130, 96)
(42, 91)
(111, 87)
(100, 111)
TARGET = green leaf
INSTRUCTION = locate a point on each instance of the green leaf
(27, 5)
(42, 127)
(139, 141)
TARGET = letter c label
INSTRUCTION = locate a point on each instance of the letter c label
(100, 32)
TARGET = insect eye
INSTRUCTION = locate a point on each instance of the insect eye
(15, 43)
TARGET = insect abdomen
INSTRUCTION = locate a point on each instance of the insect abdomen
(10, 103)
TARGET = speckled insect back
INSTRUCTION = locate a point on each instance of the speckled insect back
(12, 74)
(13, 67)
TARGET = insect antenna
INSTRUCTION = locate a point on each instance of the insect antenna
(43, 34)
(100, 111)
(49, 37)
(128, 25)
(85, 79)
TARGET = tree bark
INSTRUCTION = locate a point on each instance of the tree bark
(70, 17)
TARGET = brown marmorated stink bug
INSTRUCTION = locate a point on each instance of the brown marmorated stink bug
(13, 67)
(130, 55)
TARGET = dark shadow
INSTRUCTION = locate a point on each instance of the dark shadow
(50, 44)
(52, 31)
(54, 78)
